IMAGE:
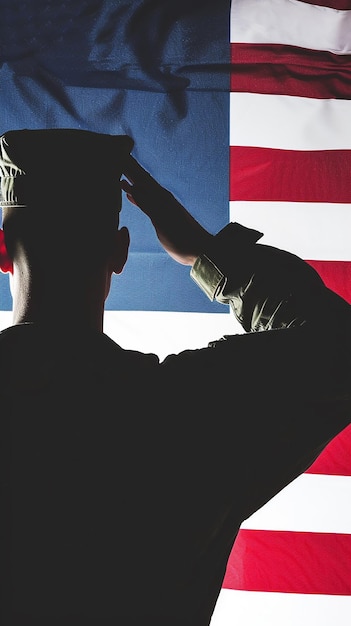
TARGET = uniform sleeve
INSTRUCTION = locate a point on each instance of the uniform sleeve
(266, 288)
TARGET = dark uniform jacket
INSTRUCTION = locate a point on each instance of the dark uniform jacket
(125, 479)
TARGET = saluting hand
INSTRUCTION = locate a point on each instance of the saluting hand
(180, 234)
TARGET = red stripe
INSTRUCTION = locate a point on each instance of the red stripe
(336, 275)
(290, 562)
(289, 70)
(267, 174)
(336, 457)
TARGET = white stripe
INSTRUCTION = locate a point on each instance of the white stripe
(5, 319)
(311, 503)
(291, 22)
(253, 608)
(289, 122)
(164, 333)
(313, 231)
(158, 332)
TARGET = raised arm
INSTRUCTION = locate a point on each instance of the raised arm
(178, 232)
(267, 288)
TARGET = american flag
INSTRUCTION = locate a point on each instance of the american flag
(290, 140)
(250, 96)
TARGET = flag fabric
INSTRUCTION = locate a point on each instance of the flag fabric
(151, 70)
(290, 157)
(241, 109)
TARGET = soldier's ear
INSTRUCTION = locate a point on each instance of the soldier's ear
(6, 264)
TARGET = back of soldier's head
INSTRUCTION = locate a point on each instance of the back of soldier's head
(60, 187)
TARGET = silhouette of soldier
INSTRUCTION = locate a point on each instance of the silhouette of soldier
(125, 479)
